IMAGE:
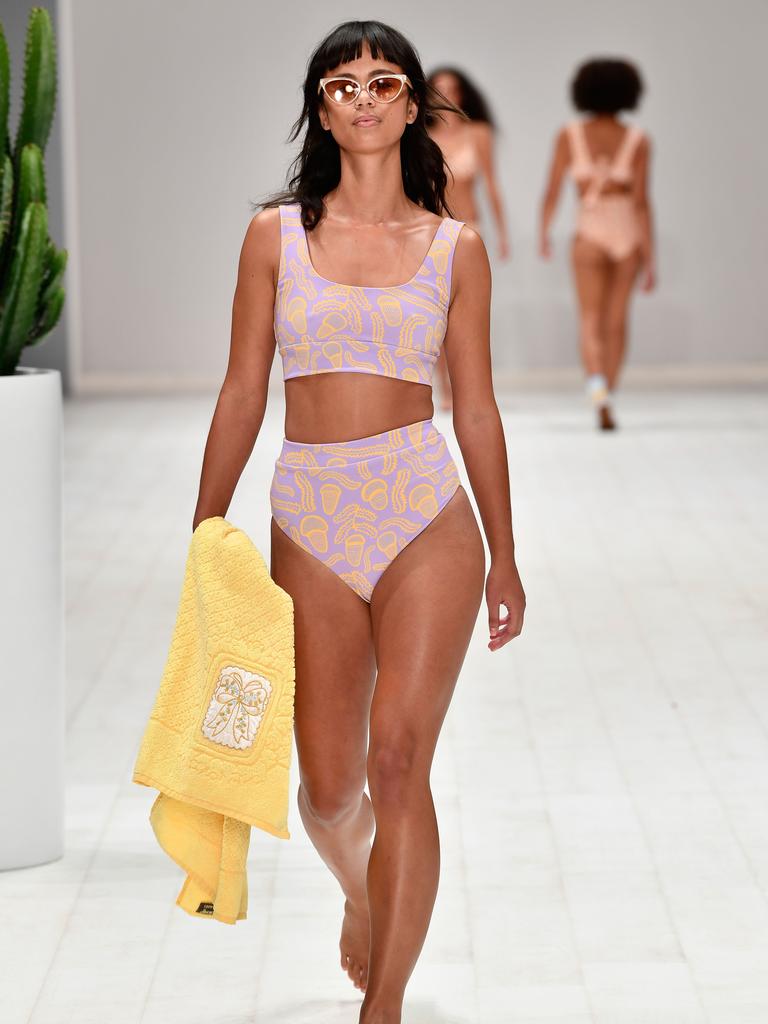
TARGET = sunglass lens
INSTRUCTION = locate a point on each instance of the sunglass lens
(342, 90)
(386, 89)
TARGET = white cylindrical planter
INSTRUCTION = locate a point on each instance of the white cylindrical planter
(31, 619)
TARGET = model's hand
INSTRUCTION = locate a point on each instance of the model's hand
(503, 587)
(505, 249)
(545, 247)
(649, 278)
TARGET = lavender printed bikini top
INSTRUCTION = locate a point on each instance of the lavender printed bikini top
(323, 326)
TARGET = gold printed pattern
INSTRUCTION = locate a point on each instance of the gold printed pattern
(324, 326)
(356, 520)
(237, 707)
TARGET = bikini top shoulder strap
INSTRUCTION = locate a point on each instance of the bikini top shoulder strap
(292, 240)
(450, 230)
(619, 166)
(580, 156)
(290, 218)
(622, 161)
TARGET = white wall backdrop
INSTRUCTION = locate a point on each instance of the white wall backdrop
(181, 111)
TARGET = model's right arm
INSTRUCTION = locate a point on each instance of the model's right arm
(242, 399)
(557, 169)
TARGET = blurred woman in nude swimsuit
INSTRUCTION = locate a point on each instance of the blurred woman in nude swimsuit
(467, 146)
(613, 241)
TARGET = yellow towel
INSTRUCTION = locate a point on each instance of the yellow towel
(218, 741)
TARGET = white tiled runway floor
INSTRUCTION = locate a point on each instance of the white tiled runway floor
(601, 784)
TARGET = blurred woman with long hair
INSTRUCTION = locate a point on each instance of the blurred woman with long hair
(467, 143)
(613, 244)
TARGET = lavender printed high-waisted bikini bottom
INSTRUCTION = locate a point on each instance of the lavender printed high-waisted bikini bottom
(356, 504)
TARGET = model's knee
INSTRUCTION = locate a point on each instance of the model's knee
(328, 801)
(590, 323)
(393, 767)
(614, 327)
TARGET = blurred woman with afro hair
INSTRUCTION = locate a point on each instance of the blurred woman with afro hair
(612, 246)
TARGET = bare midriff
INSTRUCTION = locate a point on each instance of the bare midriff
(342, 406)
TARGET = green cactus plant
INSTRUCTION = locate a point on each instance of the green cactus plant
(31, 267)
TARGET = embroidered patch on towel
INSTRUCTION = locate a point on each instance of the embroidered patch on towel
(237, 707)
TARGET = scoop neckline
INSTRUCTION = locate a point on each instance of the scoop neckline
(371, 287)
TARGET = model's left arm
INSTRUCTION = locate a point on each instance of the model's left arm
(485, 148)
(557, 168)
(479, 430)
(642, 196)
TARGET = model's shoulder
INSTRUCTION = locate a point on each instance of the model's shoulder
(264, 223)
(482, 130)
(265, 228)
(471, 268)
(470, 258)
(261, 245)
(469, 242)
(563, 141)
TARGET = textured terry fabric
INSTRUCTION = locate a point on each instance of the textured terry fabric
(218, 741)
(324, 326)
(355, 504)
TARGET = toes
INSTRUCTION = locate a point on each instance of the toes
(353, 971)
(358, 973)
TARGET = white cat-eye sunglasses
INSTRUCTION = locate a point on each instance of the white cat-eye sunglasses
(381, 88)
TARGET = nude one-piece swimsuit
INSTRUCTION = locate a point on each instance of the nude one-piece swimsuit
(610, 220)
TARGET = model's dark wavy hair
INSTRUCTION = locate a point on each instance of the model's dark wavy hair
(606, 86)
(473, 103)
(317, 168)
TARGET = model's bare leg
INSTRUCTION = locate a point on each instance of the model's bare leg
(622, 280)
(335, 673)
(423, 611)
(590, 271)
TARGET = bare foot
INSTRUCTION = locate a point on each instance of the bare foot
(605, 418)
(354, 944)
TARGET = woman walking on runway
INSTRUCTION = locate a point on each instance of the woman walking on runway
(466, 137)
(373, 535)
(613, 241)
(467, 142)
